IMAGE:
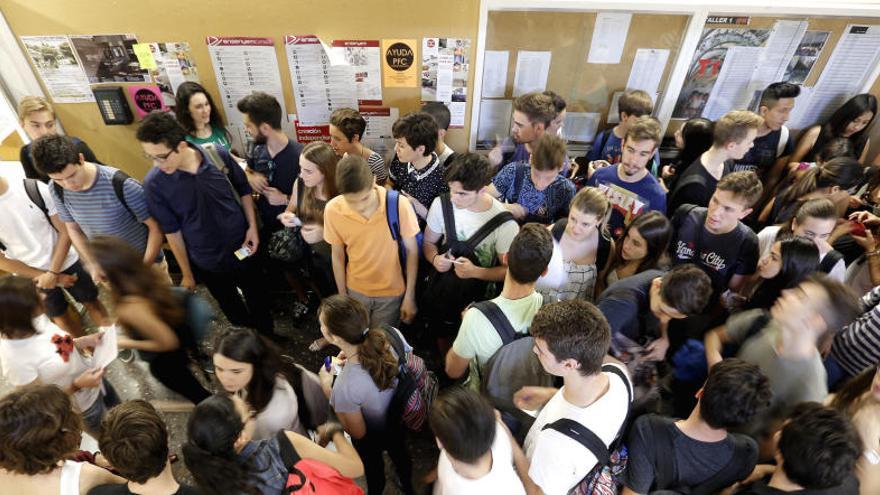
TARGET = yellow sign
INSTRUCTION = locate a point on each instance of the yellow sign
(399, 59)
(144, 55)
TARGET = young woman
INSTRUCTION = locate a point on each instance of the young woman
(362, 392)
(35, 350)
(224, 458)
(831, 180)
(581, 250)
(860, 400)
(248, 365)
(789, 261)
(815, 219)
(195, 111)
(39, 430)
(692, 139)
(643, 247)
(347, 128)
(850, 121)
(154, 313)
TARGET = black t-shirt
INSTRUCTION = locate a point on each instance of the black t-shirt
(123, 490)
(695, 186)
(424, 185)
(762, 156)
(721, 256)
(281, 170)
(850, 486)
(694, 462)
(627, 307)
(30, 170)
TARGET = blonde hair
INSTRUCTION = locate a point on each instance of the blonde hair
(549, 153)
(734, 126)
(31, 104)
(591, 201)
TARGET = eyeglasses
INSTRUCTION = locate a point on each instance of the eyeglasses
(159, 158)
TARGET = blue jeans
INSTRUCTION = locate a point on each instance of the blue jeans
(92, 416)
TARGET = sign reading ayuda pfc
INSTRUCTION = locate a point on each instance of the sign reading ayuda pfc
(400, 68)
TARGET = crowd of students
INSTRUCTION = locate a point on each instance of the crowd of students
(580, 305)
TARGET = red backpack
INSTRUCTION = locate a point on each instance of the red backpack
(310, 477)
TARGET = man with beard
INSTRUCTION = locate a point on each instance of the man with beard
(629, 186)
(534, 115)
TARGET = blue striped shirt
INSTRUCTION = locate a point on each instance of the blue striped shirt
(857, 347)
(98, 211)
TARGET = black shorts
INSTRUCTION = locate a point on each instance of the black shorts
(83, 290)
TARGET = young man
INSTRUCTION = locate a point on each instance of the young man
(534, 191)
(442, 117)
(347, 127)
(37, 118)
(477, 338)
(274, 164)
(89, 203)
(699, 452)
(773, 142)
(608, 145)
(134, 439)
(208, 216)
(714, 238)
(572, 339)
(365, 258)
(640, 307)
(416, 170)
(36, 245)
(533, 113)
(816, 454)
(468, 178)
(733, 136)
(629, 185)
(521, 153)
(785, 345)
(478, 455)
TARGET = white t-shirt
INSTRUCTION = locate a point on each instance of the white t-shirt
(281, 413)
(558, 463)
(468, 222)
(767, 236)
(28, 236)
(37, 357)
(502, 478)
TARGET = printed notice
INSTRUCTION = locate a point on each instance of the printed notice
(532, 69)
(647, 69)
(364, 57)
(609, 38)
(318, 86)
(580, 127)
(495, 73)
(494, 123)
(174, 66)
(59, 68)
(445, 64)
(731, 90)
(399, 59)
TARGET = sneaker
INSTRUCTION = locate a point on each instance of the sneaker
(126, 355)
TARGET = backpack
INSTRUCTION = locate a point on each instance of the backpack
(118, 180)
(311, 477)
(664, 463)
(416, 385)
(606, 477)
(313, 409)
(392, 216)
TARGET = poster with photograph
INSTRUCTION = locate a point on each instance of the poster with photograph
(56, 63)
(706, 66)
(805, 56)
(109, 58)
(445, 63)
(174, 65)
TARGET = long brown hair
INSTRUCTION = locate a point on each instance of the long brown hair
(322, 155)
(346, 318)
(128, 276)
(849, 398)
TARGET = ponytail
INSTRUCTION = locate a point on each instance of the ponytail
(804, 185)
(376, 357)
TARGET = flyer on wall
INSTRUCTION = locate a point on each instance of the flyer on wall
(364, 57)
(109, 58)
(174, 65)
(56, 64)
(378, 135)
(399, 60)
(319, 87)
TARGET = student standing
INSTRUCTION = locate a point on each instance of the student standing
(196, 112)
(773, 143)
(417, 170)
(644, 246)
(533, 113)
(851, 121)
(347, 127)
(607, 148)
(440, 113)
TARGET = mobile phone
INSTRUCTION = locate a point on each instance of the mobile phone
(856, 228)
(242, 253)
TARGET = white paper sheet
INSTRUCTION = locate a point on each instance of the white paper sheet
(378, 136)
(457, 110)
(851, 64)
(647, 70)
(318, 86)
(532, 69)
(609, 36)
(776, 53)
(731, 90)
(107, 350)
(494, 120)
(495, 73)
(364, 57)
(580, 127)
(243, 65)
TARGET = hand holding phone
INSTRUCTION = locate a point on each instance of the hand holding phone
(242, 253)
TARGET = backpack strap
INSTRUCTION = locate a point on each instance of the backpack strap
(32, 189)
(498, 320)
(783, 141)
(396, 344)
(603, 252)
(118, 180)
(214, 157)
(59, 191)
(757, 325)
(486, 229)
(392, 213)
(558, 229)
(450, 236)
(289, 455)
(300, 192)
(519, 178)
(830, 261)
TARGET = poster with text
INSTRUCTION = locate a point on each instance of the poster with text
(146, 98)
(399, 60)
(378, 136)
(319, 87)
(56, 63)
(805, 56)
(174, 65)
(109, 58)
(364, 58)
(445, 64)
(706, 65)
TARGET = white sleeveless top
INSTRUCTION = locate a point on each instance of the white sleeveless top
(70, 477)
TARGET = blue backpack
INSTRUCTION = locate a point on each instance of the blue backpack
(392, 214)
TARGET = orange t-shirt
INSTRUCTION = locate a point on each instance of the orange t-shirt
(373, 268)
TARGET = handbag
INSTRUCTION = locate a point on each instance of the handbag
(287, 245)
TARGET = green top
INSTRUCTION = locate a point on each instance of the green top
(218, 137)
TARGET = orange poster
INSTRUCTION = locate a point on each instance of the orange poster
(399, 59)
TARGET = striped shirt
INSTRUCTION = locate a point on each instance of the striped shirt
(857, 347)
(377, 165)
(98, 211)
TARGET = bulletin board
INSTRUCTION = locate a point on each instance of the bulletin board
(167, 20)
(585, 87)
